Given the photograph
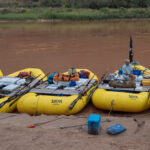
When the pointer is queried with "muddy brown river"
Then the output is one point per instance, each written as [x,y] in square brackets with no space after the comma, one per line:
[56,46]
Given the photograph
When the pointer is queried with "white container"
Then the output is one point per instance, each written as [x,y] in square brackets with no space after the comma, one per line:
[10,87]
[52,87]
[9,79]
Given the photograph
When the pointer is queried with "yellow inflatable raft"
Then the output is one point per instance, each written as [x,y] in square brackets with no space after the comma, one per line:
[51,100]
[1,74]
[8,82]
[123,99]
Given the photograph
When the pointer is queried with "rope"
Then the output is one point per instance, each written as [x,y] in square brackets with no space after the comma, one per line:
[36,111]
[111,108]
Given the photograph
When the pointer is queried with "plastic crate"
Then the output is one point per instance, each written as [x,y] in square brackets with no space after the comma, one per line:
[94,124]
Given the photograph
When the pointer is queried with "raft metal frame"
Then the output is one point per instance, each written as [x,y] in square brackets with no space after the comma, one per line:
[107,87]
[41,89]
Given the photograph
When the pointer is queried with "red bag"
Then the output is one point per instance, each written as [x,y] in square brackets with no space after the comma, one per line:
[86,73]
[23,74]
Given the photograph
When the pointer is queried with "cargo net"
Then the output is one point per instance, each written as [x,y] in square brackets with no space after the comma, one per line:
[64,88]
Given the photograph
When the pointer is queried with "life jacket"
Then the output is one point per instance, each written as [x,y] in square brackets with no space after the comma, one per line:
[65,77]
[74,77]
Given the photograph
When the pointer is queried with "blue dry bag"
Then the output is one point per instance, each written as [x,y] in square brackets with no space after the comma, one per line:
[50,77]
[137,72]
[115,129]
[72,83]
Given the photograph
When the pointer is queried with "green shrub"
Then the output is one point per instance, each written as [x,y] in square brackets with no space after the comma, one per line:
[4,11]
[94,4]
[45,3]
[28,4]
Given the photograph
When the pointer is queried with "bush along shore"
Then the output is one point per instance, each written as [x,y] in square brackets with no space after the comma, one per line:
[72,13]
[73,9]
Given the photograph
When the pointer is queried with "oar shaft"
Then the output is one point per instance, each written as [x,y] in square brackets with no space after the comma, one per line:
[24,92]
[81,94]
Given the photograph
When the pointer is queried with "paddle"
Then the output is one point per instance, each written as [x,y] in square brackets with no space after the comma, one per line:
[42,123]
[148,96]
[94,89]
[15,95]
[26,91]
[81,94]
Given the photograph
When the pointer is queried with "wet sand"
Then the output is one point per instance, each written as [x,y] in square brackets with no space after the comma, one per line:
[98,46]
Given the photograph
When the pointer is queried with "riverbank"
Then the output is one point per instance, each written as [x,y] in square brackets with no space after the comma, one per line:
[72,13]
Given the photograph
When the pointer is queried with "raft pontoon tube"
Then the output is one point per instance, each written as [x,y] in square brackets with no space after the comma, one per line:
[1,74]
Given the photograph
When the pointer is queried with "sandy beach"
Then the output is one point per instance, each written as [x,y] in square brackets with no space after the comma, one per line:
[15,135]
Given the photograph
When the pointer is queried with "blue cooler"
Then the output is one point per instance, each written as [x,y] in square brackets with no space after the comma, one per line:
[94,124]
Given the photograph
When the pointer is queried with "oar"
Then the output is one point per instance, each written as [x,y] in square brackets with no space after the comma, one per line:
[15,95]
[148,96]
[72,126]
[80,95]
[42,123]
[80,125]
[26,91]
[94,89]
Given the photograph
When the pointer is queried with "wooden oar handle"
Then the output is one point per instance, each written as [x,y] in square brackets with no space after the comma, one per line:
[74,102]
[2,104]
[72,105]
